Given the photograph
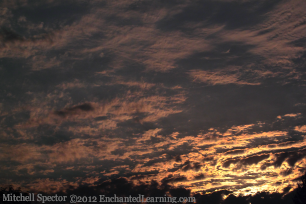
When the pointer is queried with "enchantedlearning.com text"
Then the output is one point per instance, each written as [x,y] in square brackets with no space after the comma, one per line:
[40,198]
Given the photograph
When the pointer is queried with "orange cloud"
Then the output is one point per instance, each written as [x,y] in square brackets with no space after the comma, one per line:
[218,77]
[300,128]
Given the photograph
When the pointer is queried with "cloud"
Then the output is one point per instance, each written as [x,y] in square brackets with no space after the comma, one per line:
[126,108]
[192,166]
[151,150]
[155,49]
[41,62]
[70,85]
[218,77]
[15,45]
[246,161]
[8,36]
[300,128]
[51,185]
[292,115]
[141,84]
[86,107]
[21,153]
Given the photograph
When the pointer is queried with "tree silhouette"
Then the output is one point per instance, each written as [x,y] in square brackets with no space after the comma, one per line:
[300,197]
[9,190]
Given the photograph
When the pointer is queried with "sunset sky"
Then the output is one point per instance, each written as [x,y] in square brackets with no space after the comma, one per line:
[205,96]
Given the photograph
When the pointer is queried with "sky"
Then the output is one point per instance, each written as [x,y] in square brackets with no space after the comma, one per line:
[197,97]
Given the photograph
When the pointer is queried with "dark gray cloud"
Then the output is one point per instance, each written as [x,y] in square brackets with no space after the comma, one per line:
[10,36]
[233,14]
[75,109]
[246,161]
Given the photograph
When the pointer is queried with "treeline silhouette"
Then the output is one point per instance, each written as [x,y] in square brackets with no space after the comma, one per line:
[122,188]
[10,190]
[300,197]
